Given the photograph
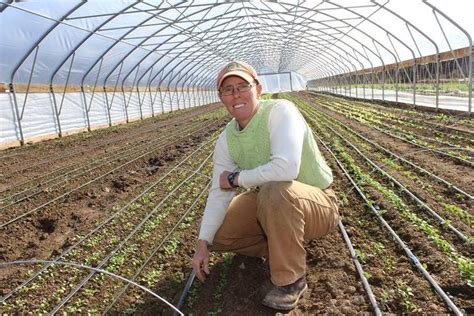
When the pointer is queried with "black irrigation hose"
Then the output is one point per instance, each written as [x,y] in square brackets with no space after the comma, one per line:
[122,243]
[165,120]
[77,188]
[355,259]
[390,118]
[102,161]
[95,270]
[347,110]
[469,163]
[106,221]
[423,118]
[135,144]
[359,113]
[441,220]
[80,165]
[413,259]
[185,292]
[422,170]
[453,129]
[157,248]
[360,270]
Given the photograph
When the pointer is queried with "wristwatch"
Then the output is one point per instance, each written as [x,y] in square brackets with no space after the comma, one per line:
[231,177]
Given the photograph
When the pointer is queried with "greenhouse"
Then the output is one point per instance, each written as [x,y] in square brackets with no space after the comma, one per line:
[111,118]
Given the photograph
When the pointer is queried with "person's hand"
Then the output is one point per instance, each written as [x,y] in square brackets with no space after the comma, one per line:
[224,183]
[201,260]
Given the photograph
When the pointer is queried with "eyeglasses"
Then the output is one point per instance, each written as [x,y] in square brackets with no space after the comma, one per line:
[230,90]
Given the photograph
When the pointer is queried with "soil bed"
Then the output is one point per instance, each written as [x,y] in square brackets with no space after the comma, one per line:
[158,228]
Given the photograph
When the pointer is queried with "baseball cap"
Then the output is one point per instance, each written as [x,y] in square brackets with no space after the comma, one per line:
[237,68]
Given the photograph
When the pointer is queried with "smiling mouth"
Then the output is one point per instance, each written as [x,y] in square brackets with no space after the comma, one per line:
[238,106]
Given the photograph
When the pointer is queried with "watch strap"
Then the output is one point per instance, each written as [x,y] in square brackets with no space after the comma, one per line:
[231,177]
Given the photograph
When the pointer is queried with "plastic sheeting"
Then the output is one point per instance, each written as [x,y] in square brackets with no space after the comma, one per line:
[175,45]
[124,40]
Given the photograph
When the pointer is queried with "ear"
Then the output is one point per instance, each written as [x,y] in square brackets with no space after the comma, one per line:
[220,97]
[259,89]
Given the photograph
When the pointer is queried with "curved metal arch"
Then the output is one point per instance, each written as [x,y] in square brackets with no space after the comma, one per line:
[19,116]
[437,52]
[470,50]
[322,40]
[162,68]
[408,23]
[165,42]
[171,80]
[118,40]
[282,20]
[209,19]
[208,82]
[356,40]
[148,54]
[366,47]
[287,21]
[335,18]
[88,36]
[293,7]
[212,78]
[45,34]
[70,25]
[388,33]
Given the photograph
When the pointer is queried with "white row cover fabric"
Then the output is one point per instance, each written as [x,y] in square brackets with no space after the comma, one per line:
[454,103]
[40,119]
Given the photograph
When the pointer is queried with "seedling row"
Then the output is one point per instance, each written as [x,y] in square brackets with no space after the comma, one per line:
[456,144]
[83,175]
[420,232]
[121,245]
[399,213]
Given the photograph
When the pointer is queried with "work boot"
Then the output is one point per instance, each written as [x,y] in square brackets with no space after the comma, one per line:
[285,297]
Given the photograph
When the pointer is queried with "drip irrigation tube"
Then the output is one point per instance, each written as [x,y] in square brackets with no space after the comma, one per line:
[154,129]
[105,222]
[420,119]
[413,259]
[422,170]
[469,163]
[391,118]
[441,220]
[94,270]
[130,235]
[165,239]
[69,192]
[358,266]
[103,161]
[186,289]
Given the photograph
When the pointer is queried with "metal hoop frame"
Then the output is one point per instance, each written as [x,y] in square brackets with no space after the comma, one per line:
[179,47]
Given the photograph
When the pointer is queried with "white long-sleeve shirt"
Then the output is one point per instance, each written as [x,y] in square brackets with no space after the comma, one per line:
[287,130]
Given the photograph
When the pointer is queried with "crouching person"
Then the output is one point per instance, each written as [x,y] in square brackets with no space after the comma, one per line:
[269,149]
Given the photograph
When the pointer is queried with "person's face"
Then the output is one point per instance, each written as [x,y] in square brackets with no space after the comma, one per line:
[241,105]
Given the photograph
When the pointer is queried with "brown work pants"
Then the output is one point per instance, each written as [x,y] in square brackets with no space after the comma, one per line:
[274,222]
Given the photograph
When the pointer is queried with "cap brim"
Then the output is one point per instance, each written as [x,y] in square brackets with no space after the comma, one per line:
[237,73]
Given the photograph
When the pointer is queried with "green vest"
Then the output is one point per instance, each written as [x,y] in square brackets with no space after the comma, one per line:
[251,147]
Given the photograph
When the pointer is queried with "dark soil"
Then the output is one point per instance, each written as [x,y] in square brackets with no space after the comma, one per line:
[237,284]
